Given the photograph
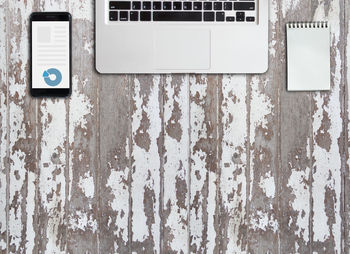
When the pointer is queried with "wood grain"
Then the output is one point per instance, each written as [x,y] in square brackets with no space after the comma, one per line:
[146,160]
[175,177]
[295,137]
[174,163]
[346,74]
[3,127]
[21,122]
[326,150]
[115,167]
[233,158]
[203,158]
[83,137]
[263,152]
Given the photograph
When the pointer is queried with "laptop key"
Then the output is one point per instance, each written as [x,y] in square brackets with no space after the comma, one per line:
[123,16]
[146,5]
[157,5]
[244,6]
[136,5]
[240,16]
[218,6]
[228,6]
[187,5]
[120,5]
[208,5]
[220,16]
[250,19]
[177,5]
[134,16]
[145,16]
[208,16]
[166,5]
[113,15]
[177,16]
[230,19]
[197,6]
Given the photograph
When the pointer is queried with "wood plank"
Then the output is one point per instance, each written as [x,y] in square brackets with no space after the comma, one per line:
[262,201]
[51,206]
[295,141]
[263,153]
[83,136]
[3,127]
[326,151]
[146,156]
[21,132]
[115,132]
[233,132]
[346,188]
[176,164]
[203,159]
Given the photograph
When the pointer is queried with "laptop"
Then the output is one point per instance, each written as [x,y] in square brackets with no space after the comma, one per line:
[176,36]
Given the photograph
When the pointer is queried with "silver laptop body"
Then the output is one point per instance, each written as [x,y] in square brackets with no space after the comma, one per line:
[182,36]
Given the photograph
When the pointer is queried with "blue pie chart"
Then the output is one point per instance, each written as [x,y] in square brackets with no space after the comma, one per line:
[56,80]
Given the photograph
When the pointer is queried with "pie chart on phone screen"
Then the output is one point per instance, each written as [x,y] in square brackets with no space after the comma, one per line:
[52,77]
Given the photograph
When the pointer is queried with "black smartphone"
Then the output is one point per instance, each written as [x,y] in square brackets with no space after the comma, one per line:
[50,54]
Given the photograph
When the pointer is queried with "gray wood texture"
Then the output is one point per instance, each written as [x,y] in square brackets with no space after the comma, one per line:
[174,163]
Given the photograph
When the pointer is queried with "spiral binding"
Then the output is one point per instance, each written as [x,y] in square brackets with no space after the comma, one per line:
[318,24]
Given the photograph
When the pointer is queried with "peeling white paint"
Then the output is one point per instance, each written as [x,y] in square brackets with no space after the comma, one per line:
[80,106]
[199,169]
[273,21]
[146,164]
[234,160]
[3,198]
[86,184]
[289,6]
[327,166]
[17,88]
[176,165]
[3,124]
[117,181]
[3,244]
[82,9]
[53,5]
[17,177]
[299,182]
[52,163]
[30,240]
[263,221]
[81,221]
[89,47]
[267,184]
[260,107]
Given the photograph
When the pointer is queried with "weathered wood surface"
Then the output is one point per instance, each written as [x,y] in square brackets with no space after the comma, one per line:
[174,163]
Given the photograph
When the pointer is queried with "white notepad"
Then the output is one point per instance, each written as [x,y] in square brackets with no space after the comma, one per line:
[308,56]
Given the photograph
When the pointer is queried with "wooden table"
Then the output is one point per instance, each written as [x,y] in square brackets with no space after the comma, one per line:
[173,163]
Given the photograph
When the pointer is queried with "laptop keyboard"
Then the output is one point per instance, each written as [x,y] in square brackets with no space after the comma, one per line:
[185,11]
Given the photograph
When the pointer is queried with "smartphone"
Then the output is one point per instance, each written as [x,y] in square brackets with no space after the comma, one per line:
[50,54]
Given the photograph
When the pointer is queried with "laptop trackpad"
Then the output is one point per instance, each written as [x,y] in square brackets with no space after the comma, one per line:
[186,49]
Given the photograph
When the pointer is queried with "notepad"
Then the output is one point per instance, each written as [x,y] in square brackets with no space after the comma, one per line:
[308,56]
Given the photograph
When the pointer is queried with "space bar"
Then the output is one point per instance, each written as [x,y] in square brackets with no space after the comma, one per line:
[177,16]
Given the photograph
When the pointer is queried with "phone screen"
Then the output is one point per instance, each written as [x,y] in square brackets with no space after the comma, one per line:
[50,55]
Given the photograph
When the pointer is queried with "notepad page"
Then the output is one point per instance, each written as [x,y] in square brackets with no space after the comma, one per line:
[308,58]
